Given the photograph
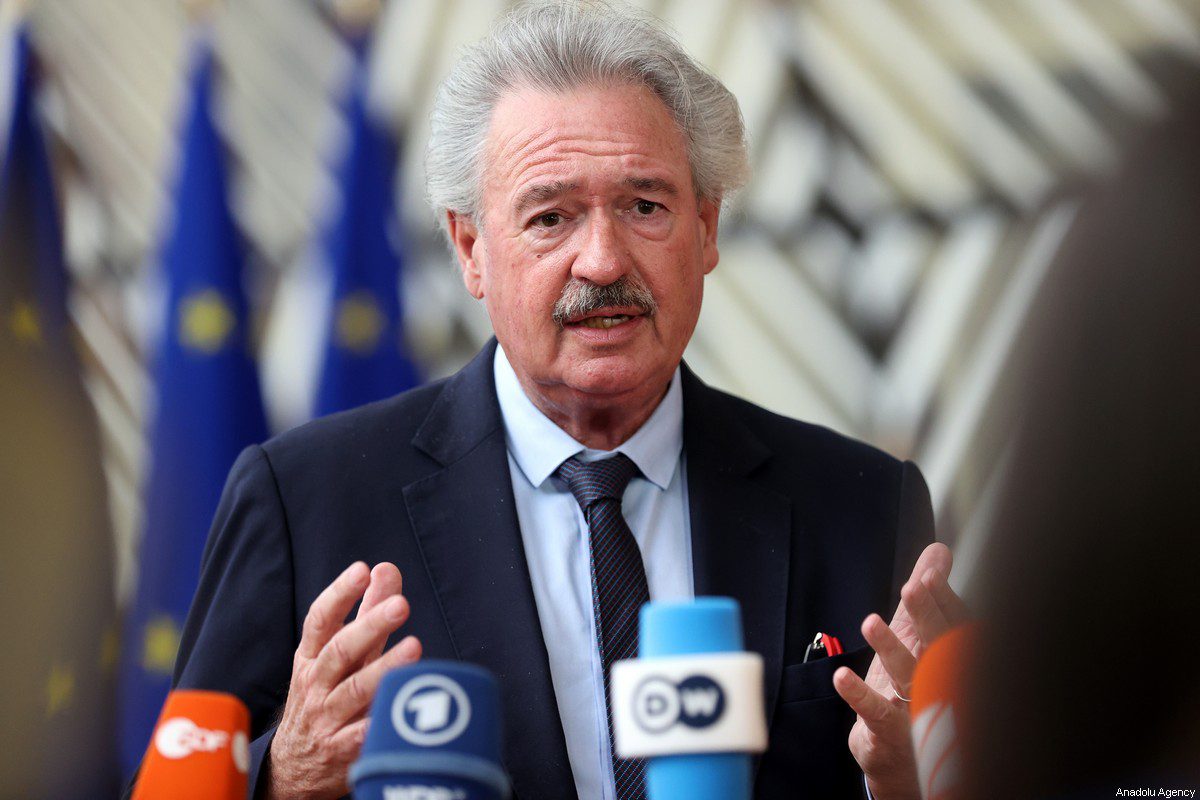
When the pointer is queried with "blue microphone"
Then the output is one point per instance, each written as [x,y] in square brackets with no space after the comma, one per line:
[434,735]
[692,703]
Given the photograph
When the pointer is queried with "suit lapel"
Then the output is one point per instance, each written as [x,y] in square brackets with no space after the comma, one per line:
[741,530]
[466,524]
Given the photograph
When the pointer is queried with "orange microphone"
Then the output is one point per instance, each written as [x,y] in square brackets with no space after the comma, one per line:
[938,711]
[200,749]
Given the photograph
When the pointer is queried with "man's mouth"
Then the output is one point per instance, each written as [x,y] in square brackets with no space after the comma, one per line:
[603,322]
[606,317]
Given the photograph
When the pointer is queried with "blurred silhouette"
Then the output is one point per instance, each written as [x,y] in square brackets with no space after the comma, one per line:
[1087,673]
[56,564]
[58,625]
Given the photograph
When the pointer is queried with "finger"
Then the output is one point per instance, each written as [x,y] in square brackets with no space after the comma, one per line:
[951,605]
[870,705]
[927,618]
[345,745]
[385,582]
[327,613]
[354,694]
[350,645]
[936,556]
[898,662]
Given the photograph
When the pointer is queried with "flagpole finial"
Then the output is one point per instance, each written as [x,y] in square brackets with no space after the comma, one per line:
[12,12]
[199,10]
[356,15]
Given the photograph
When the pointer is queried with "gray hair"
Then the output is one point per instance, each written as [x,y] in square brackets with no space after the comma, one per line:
[560,46]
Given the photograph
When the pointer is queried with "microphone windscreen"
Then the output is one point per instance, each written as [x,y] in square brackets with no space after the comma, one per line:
[938,709]
[704,625]
[434,735]
[200,749]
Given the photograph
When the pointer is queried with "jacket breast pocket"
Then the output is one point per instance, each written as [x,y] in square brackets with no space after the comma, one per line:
[814,680]
[809,733]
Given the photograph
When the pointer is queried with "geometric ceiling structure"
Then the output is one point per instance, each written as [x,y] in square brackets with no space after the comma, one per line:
[916,165]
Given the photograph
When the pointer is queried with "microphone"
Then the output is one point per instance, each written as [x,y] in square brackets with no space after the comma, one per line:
[434,735]
[200,749]
[938,709]
[692,703]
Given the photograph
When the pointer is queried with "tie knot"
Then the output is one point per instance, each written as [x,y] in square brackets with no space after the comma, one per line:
[597,480]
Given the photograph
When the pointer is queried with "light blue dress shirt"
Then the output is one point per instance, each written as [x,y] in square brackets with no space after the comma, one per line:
[555,534]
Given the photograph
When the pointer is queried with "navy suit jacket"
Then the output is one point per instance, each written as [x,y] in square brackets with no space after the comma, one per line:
[808,530]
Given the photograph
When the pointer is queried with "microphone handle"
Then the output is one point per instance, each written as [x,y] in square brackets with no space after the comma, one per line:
[704,626]
[700,776]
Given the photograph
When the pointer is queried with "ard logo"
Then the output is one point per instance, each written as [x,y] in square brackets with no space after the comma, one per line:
[431,710]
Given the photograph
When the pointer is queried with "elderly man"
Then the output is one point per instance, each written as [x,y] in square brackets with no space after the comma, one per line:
[579,159]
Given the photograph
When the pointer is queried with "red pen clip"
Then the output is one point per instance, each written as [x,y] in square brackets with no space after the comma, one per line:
[822,646]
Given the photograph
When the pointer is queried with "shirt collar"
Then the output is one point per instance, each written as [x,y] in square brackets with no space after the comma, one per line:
[539,446]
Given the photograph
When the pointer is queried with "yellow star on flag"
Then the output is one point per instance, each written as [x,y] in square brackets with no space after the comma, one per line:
[160,644]
[205,321]
[60,689]
[359,323]
[110,649]
[24,322]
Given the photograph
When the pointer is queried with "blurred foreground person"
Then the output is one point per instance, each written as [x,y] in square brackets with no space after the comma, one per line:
[1087,687]
[56,567]
[55,585]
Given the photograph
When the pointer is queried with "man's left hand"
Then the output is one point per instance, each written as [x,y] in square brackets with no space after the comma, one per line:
[881,739]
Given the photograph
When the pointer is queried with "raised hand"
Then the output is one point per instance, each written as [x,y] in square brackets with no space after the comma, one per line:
[335,672]
[881,740]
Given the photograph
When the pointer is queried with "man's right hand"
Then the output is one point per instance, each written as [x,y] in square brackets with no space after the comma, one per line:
[335,673]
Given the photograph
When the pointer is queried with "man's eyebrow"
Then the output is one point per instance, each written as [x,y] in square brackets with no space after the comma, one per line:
[656,185]
[541,192]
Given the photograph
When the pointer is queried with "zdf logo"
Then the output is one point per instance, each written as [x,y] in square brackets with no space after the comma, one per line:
[696,701]
[179,737]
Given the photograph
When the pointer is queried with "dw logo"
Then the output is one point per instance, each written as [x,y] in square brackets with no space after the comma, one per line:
[431,710]
[697,702]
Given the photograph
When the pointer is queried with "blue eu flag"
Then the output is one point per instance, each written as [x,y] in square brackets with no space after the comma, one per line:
[33,285]
[364,357]
[209,408]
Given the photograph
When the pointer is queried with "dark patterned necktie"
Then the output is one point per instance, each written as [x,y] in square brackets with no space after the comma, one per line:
[619,587]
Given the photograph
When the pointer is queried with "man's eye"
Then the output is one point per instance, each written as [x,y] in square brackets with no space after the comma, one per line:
[647,207]
[548,220]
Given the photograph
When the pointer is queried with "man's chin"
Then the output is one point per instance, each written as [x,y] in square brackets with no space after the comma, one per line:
[615,377]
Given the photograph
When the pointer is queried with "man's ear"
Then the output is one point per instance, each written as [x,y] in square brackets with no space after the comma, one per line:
[467,246]
[710,216]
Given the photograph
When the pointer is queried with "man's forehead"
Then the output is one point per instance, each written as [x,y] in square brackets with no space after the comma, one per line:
[542,144]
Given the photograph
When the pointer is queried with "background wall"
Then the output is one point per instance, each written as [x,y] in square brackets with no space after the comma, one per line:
[915,168]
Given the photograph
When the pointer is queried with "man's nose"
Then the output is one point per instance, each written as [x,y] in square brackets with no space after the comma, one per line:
[602,258]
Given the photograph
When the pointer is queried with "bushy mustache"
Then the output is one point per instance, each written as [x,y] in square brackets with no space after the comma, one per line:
[580,298]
